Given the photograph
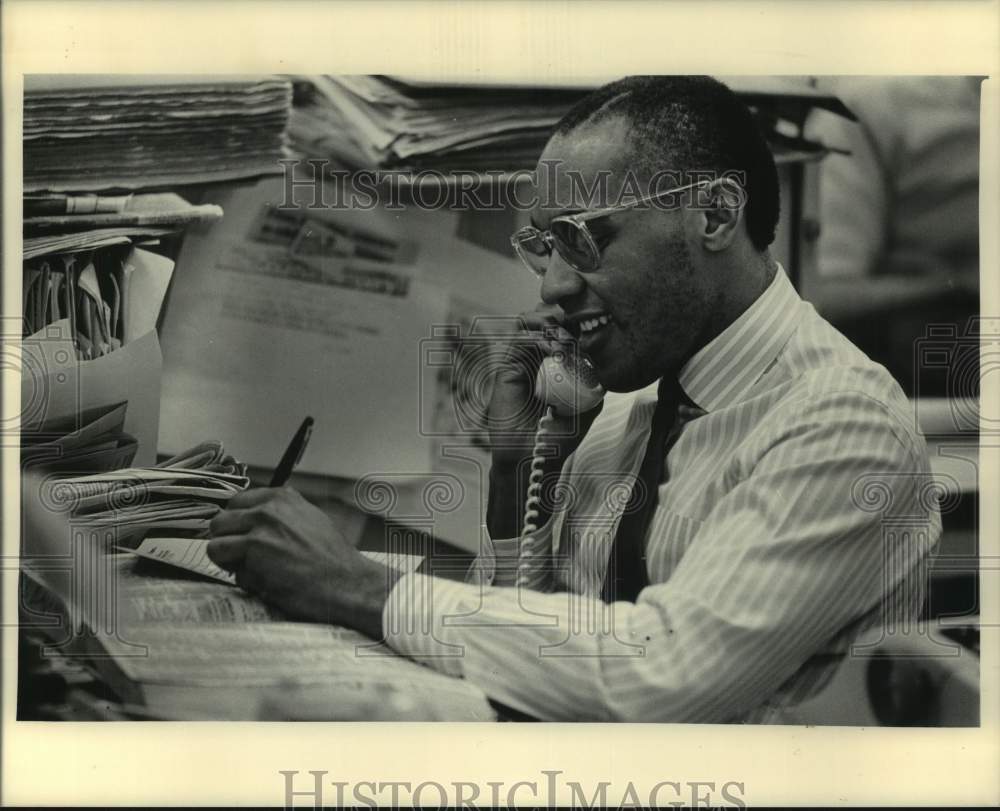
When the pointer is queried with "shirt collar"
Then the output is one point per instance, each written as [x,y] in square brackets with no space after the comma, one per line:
[723,370]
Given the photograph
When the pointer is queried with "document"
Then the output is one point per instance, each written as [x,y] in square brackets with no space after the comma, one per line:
[145,279]
[151,485]
[191,554]
[263,327]
[185,553]
[201,649]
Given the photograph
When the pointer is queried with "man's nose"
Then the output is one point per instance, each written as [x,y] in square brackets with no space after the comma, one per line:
[560,281]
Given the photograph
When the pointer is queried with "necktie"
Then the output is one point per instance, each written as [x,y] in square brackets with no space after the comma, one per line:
[626,574]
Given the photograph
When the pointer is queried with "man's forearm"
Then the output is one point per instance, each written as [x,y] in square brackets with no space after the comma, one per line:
[362,606]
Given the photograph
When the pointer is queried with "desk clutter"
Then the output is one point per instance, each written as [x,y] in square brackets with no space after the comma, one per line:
[98,154]
[173,645]
[60,223]
[93,440]
[179,496]
[90,357]
[412,124]
[389,122]
[116,565]
[106,298]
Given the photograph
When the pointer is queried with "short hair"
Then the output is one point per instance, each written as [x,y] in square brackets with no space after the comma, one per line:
[691,123]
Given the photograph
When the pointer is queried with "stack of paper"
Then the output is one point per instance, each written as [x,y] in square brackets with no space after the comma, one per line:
[375,121]
[191,649]
[93,440]
[397,123]
[92,132]
[59,223]
[79,241]
[179,497]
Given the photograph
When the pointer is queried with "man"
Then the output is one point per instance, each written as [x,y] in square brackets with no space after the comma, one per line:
[772,451]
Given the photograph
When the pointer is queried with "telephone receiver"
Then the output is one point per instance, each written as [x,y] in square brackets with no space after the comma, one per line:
[568,383]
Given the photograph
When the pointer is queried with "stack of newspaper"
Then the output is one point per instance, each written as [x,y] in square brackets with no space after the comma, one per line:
[178,497]
[94,132]
[61,223]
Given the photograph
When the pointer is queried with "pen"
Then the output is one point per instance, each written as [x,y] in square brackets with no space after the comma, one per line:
[292,454]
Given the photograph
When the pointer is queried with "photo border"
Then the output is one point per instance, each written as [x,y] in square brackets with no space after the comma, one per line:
[239,763]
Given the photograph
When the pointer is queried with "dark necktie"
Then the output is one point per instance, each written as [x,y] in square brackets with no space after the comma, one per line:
[626,574]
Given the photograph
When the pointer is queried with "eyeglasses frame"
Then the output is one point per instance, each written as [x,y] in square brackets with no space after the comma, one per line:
[580,220]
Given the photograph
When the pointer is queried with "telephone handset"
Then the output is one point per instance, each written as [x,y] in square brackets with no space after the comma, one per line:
[568,385]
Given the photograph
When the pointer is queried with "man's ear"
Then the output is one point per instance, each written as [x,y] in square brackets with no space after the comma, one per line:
[719,207]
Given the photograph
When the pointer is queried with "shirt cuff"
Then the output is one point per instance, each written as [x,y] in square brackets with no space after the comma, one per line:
[412,620]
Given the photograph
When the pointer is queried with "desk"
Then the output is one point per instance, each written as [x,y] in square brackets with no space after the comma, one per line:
[62,686]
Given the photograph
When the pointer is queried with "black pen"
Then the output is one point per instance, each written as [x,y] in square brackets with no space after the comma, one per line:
[292,454]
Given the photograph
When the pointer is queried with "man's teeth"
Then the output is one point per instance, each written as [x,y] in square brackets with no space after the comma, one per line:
[593,323]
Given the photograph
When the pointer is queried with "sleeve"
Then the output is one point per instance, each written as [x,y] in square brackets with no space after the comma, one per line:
[500,560]
[796,551]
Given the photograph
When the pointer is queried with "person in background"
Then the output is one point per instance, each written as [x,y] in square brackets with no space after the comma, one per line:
[899,216]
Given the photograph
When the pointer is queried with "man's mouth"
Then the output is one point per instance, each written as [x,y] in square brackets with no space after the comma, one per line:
[592,331]
[588,325]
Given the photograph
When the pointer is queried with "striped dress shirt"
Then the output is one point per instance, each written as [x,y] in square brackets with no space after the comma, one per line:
[797,511]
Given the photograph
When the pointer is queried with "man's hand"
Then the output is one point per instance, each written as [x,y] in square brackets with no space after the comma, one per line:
[290,554]
[514,411]
[513,420]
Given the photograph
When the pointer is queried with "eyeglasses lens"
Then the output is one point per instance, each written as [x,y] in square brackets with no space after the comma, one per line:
[533,251]
[575,245]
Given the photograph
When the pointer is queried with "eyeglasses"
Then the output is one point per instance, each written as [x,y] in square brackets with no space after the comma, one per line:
[571,238]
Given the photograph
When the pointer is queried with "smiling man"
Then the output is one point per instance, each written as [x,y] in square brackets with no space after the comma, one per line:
[718,542]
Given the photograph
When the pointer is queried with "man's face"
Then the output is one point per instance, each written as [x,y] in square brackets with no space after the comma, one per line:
[647,287]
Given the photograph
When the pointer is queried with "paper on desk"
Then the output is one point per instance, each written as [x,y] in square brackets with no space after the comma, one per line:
[183,475]
[88,240]
[56,386]
[203,639]
[305,671]
[107,492]
[145,594]
[185,553]
[192,554]
[264,653]
[185,514]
